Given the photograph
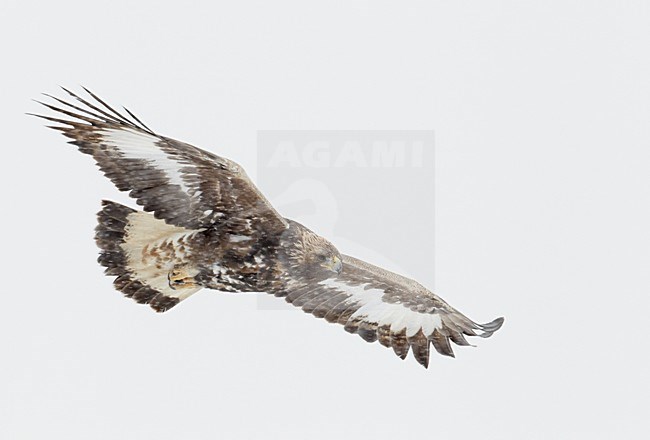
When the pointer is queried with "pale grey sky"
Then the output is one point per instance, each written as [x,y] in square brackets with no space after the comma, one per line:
[540,112]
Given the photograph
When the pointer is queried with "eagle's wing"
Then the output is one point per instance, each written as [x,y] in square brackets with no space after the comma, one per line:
[380,305]
[181,184]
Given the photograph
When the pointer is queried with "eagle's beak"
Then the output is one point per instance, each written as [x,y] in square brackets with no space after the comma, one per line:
[334,264]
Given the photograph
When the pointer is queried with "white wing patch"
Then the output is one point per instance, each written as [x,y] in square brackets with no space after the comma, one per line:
[374,309]
[139,145]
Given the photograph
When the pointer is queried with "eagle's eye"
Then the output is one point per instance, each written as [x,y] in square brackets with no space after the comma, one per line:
[322,257]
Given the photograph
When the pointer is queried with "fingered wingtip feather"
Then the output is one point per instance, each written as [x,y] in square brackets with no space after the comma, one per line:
[68,91]
[115,113]
[48,118]
[136,119]
[495,325]
[491,327]
[93,112]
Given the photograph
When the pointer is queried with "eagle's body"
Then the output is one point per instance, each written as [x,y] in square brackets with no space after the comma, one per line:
[206,225]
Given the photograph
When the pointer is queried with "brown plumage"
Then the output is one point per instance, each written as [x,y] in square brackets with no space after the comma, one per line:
[204,224]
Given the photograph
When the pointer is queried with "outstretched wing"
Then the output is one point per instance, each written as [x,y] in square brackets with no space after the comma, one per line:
[181,184]
[398,312]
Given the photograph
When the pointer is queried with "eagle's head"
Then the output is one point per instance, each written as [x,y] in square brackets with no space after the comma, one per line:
[308,255]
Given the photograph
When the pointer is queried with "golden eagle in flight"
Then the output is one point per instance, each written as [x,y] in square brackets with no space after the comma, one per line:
[204,224]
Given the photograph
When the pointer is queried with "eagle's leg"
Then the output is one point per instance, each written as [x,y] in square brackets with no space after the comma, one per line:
[180,278]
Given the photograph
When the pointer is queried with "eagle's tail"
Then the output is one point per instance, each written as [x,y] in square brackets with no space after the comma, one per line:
[146,255]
